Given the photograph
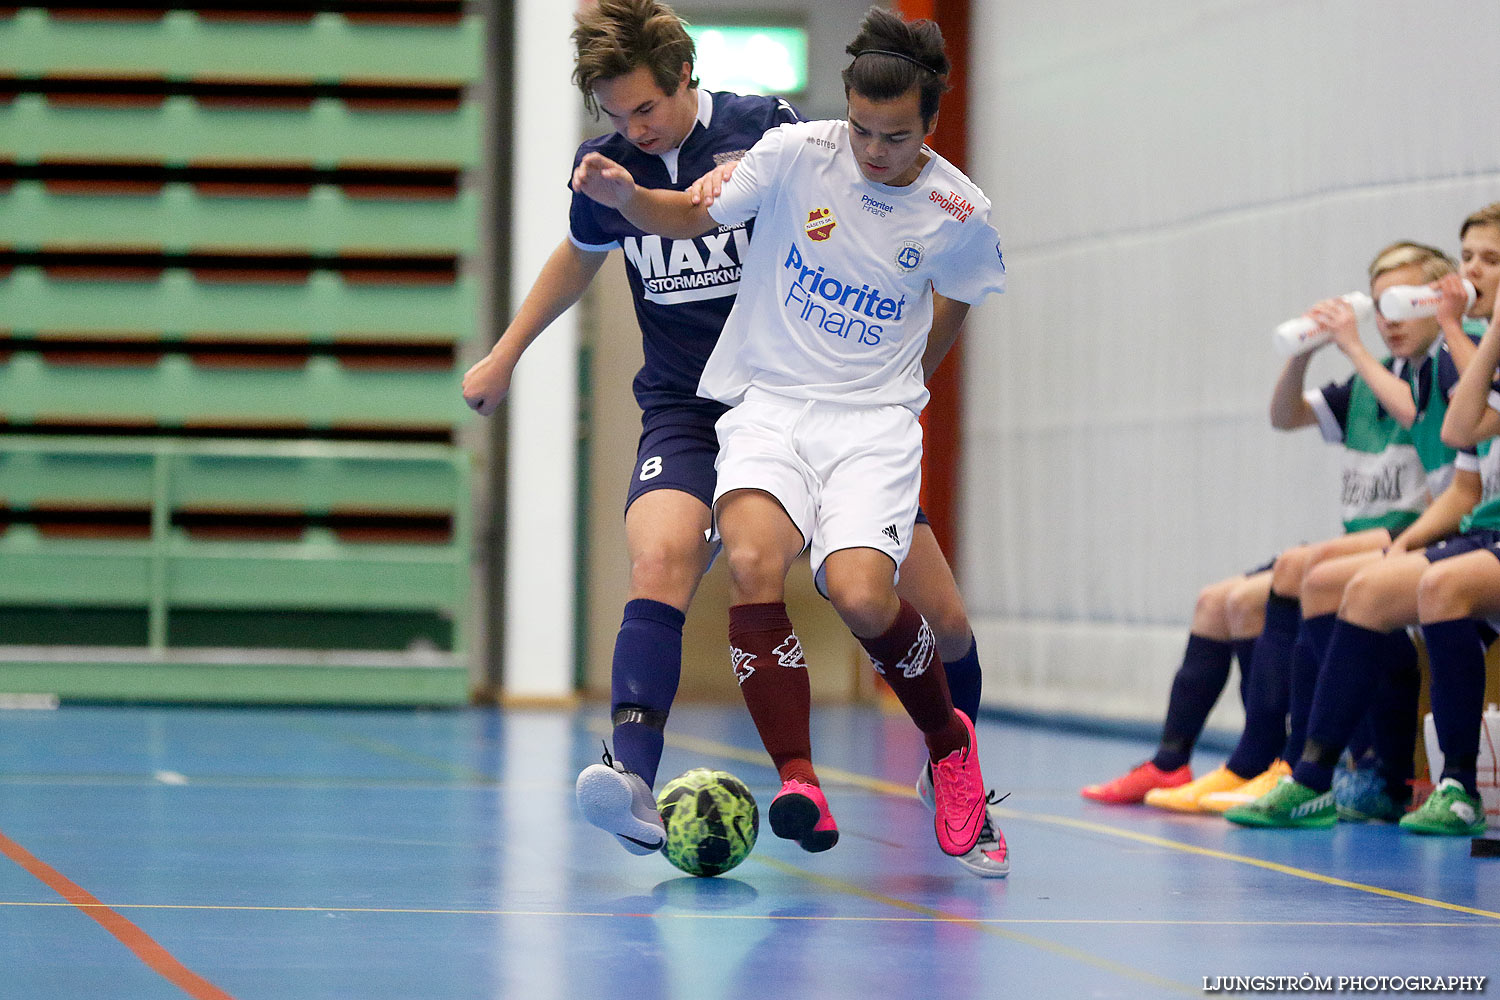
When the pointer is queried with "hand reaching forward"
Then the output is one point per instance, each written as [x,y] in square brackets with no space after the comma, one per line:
[708,187]
[602,179]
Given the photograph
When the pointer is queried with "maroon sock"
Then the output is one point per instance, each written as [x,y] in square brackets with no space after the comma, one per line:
[906,656]
[773,681]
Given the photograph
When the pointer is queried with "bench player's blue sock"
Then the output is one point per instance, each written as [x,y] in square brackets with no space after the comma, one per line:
[1307,658]
[1455,653]
[643,682]
[1269,689]
[1198,683]
[1357,659]
[1244,653]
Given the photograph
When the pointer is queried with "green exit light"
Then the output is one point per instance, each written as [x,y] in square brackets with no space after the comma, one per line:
[751,60]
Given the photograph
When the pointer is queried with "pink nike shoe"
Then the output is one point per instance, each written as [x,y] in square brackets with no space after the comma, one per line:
[800,812]
[958,787]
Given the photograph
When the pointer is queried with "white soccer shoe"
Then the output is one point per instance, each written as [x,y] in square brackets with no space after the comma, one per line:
[990,858]
[619,802]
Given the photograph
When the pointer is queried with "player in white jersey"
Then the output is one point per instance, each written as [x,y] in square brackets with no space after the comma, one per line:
[858,223]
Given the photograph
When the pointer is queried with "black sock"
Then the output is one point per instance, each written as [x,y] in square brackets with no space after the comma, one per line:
[1393,717]
[1244,654]
[1270,686]
[1307,657]
[1199,681]
[1357,658]
[1456,655]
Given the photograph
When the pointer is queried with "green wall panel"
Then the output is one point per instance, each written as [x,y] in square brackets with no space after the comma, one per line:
[178,219]
[331,47]
[179,129]
[323,305]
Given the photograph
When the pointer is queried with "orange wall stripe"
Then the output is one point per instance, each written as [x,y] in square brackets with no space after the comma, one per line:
[128,934]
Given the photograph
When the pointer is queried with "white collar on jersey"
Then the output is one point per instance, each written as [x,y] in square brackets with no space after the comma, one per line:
[705,115]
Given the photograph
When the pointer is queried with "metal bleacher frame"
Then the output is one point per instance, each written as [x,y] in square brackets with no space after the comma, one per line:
[236,246]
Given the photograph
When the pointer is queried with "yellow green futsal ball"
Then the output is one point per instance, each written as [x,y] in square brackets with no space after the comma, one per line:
[711,820]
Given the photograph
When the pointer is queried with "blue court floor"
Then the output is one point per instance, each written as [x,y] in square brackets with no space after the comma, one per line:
[281,854]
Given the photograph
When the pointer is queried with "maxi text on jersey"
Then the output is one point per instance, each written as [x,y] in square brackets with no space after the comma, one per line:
[837,305]
[674,271]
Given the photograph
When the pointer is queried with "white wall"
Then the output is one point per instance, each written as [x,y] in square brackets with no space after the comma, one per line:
[543,405]
[1172,178]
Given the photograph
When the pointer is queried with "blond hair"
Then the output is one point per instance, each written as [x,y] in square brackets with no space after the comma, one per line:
[1489,215]
[613,37]
[1433,262]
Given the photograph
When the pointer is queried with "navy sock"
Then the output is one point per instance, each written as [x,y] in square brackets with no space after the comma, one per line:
[1270,689]
[1244,654]
[1307,657]
[1393,717]
[1198,684]
[1456,654]
[1357,658]
[643,682]
[965,679]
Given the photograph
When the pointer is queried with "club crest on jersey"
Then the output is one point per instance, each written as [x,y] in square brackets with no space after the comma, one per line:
[820,223]
[910,255]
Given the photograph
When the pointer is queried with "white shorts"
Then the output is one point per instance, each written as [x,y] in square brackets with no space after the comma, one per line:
[848,476]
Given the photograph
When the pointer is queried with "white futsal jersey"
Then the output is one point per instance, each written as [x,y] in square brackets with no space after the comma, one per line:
[835,298]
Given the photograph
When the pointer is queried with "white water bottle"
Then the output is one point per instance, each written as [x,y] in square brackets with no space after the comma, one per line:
[1300,335]
[1415,301]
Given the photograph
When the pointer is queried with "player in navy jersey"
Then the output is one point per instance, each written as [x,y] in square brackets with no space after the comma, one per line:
[635,65]
[859,223]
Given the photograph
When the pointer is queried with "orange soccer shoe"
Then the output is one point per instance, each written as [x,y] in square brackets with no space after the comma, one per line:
[1131,787]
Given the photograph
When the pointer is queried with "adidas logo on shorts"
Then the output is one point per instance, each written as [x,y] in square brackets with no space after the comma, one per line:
[891,533]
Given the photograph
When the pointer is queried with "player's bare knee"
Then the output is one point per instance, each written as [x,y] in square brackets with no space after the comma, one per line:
[755,570]
[1443,595]
[865,605]
[1286,575]
[663,571]
[1244,611]
[1365,602]
[1211,612]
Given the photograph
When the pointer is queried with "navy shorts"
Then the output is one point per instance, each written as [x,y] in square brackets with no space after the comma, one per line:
[1479,540]
[677,455]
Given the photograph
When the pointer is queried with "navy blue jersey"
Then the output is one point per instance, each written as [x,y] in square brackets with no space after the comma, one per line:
[683,289]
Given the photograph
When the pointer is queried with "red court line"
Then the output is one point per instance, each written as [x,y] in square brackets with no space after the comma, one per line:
[128,934]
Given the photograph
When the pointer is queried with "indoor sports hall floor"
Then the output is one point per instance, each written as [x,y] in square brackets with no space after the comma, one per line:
[283,854]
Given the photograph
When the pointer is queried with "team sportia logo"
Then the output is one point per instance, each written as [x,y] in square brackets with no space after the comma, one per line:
[820,223]
[954,204]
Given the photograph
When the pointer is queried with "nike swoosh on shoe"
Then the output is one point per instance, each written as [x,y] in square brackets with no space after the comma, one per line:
[643,843]
[962,826]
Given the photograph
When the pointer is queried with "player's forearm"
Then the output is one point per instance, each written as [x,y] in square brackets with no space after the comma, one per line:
[1466,410]
[1442,516]
[1459,345]
[667,213]
[1288,409]
[947,320]
[1394,393]
[563,279]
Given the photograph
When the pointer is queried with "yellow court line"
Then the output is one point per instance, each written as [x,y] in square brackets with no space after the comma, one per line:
[1060,950]
[883,787]
[937,917]
[394,752]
